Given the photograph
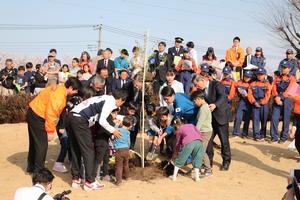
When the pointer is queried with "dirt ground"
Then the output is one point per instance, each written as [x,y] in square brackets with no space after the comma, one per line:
[257,171]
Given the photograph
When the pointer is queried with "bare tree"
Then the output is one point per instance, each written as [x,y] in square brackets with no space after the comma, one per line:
[283,19]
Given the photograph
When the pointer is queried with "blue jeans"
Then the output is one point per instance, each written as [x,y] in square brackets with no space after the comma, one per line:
[186,80]
[64,146]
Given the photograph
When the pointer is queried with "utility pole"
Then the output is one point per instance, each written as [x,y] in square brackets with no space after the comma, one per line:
[143,95]
[100,29]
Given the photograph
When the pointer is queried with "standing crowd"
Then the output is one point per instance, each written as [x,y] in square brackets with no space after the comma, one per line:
[94,105]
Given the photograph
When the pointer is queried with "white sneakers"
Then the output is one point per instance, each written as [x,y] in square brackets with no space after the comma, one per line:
[59,167]
[76,183]
[93,186]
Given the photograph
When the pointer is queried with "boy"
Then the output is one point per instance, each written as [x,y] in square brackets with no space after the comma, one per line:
[20,80]
[29,74]
[102,146]
[131,111]
[282,105]
[204,124]
[244,107]
[228,84]
[259,95]
[122,151]
[186,67]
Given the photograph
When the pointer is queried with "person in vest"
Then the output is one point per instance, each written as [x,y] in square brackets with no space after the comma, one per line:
[243,107]
[228,84]
[259,95]
[186,67]
[282,105]
[295,131]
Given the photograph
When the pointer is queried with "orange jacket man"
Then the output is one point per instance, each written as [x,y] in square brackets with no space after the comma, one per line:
[43,112]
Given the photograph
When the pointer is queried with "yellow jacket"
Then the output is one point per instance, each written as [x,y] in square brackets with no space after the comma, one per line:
[49,103]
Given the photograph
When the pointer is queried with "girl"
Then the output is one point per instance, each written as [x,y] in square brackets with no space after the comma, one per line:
[64,74]
[87,72]
[188,142]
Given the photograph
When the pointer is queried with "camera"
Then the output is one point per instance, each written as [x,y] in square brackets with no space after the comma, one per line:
[61,196]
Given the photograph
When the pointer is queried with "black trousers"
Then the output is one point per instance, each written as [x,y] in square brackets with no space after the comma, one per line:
[101,154]
[222,132]
[38,142]
[81,144]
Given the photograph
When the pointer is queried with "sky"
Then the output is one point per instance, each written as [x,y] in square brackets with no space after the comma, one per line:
[206,23]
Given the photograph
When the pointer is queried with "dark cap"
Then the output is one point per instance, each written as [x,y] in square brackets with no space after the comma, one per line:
[226,70]
[205,67]
[261,71]
[248,73]
[178,39]
[185,51]
[289,51]
[259,49]
[285,64]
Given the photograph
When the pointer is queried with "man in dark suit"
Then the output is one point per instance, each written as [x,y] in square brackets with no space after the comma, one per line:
[175,53]
[217,101]
[106,63]
[121,81]
[105,87]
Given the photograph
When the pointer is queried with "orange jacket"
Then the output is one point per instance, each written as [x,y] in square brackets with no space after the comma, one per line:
[228,84]
[238,85]
[259,91]
[235,56]
[49,103]
[297,104]
[180,66]
[282,84]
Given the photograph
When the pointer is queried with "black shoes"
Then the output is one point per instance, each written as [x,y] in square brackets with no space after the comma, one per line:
[225,167]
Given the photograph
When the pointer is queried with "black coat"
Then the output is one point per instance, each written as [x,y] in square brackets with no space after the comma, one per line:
[110,66]
[216,95]
[171,53]
[116,85]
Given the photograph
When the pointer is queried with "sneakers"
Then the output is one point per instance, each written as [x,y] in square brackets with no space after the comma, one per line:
[173,178]
[93,186]
[76,183]
[59,167]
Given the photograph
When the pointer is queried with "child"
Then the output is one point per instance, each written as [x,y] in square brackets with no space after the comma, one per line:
[87,72]
[102,146]
[151,128]
[122,151]
[131,111]
[186,66]
[259,96]
[20,81]
[165,119]
[243,107]
[228,84]
[80,75]
[29,74]
[189,140]
[64,74]
[40,79]
[204,125]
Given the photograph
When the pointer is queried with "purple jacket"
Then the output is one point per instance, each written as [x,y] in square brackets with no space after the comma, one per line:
[186,134]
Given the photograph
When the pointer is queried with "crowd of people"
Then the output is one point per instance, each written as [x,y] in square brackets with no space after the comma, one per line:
[94,105]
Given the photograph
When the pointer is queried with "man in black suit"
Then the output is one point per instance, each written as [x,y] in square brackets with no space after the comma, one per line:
[106,63]
[217,101]
[175,52]
[121,81]
[105,87]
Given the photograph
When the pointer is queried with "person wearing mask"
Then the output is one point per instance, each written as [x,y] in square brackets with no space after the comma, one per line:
[289,60]
[41,184]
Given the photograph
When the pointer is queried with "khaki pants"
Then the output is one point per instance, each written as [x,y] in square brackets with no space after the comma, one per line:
[6,92]
[206,137]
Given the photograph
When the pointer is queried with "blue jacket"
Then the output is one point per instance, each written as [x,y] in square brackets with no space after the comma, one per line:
[260,62]
[184,107]
[124,141]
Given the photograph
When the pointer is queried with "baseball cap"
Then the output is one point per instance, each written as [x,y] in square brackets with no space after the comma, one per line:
[261,71]
[205,67]
[248,73]
[226,70]
[286,64]
[289,51]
